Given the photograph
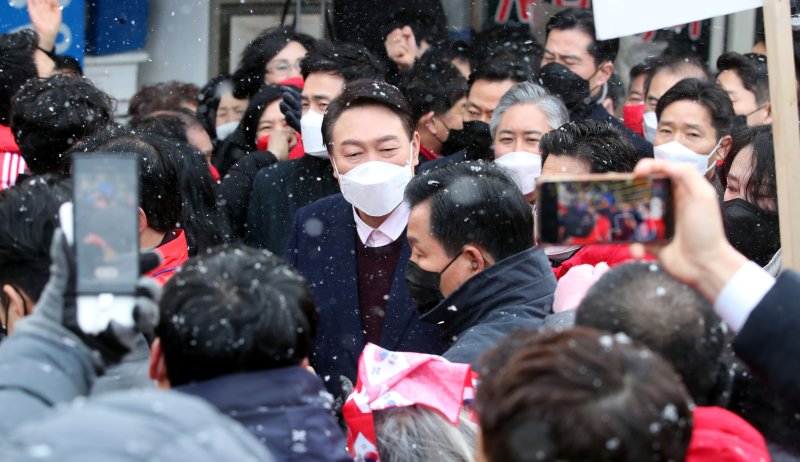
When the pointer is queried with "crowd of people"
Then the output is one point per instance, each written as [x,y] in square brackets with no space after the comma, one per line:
[339,258]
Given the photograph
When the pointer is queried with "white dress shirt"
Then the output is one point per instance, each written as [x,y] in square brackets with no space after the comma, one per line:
[388,232]
[741,294]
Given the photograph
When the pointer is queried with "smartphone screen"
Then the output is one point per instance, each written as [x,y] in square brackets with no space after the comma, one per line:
[105,207]
[616,209]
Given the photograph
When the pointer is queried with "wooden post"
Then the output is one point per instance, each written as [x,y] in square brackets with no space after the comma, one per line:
[785,125]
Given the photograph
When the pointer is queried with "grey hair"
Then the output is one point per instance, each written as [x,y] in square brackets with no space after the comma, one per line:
[419,434]
[531,93]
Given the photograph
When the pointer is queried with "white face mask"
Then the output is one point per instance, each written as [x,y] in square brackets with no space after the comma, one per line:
[375,187]
[311,130]
[650,126]
[525,168]
[225,130]
[678,153]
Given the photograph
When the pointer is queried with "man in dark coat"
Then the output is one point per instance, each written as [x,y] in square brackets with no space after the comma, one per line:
[351,247]
[279,190]
[470,231]
[237,326]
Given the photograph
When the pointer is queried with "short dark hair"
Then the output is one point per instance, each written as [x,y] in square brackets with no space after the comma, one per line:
[249,74]
[235,309]
[49,116]
[751,69]
[18,65]
[28,218]
[583,20]
[688,64]
[499,70]
[159,192]
[580,394]
[510,41]
[474,202]
[644,302]
[162,97]
[169,124]
[706,94]
[643,68]
[596,143]
[68,65]
[762,186]
[352,62]
[433,85]
[363,93]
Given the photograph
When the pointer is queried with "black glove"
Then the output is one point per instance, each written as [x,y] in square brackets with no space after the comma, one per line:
[58,304]
[346,387]
[291,106]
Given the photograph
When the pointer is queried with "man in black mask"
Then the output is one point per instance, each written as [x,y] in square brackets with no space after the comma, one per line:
[487,84]
[576,67]
[470,231]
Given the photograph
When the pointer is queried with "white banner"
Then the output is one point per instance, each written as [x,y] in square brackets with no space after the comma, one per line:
[620,18]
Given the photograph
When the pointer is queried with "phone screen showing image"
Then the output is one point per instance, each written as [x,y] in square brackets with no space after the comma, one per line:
[105,205]
[583,212]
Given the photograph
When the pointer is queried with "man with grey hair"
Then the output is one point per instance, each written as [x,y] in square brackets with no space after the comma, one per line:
[525,113]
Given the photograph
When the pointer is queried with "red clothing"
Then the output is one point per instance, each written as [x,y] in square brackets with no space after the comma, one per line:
[722,436]
[11,162]
[601,232]
[427,153]
[174,253]
[611,254]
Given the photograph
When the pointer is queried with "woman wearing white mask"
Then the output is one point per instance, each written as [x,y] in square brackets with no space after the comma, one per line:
[695,118]
[525,113]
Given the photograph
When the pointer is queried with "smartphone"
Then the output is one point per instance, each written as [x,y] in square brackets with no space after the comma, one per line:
[106,237]
[604,209]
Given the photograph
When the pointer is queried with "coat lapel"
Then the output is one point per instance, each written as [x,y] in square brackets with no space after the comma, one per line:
[401,310]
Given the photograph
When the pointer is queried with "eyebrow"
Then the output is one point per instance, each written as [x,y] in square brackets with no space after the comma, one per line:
[694,126]
[526,132]
[382,139]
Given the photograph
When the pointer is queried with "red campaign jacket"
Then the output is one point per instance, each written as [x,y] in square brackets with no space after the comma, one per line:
[174,253]
[722,436]
[611,254]
[11,162]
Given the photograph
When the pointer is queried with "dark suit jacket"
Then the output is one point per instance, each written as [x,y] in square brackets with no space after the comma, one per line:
[322,248]
[768,341]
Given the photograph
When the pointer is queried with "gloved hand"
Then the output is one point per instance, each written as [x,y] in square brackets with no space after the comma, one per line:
[58,304]
[291,106]
[574,285]
[346,387]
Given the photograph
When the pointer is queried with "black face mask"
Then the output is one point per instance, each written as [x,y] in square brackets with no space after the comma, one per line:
[424,285]
[752,231]
[476,138]
[565,84]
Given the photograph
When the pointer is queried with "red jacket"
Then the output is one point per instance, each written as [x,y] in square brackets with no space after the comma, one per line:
[11,162]
[722,436]
[611,254]
[174,253]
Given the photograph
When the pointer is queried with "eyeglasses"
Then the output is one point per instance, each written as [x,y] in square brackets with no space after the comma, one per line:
[283,67]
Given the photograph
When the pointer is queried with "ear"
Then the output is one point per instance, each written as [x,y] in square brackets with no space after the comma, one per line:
[415,144]
[142,221]
[604,73]
[427,122]
[724,147]
[16,306]
[158,367]
[768,114]
[475,258]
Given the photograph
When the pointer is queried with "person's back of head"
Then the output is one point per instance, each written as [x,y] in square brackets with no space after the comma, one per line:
[234,309]
[164,97]
[648,305]
[164,123]
[18,65]
[49,116]
[28,218]
[159,191]
[706,94]
[512,41]
[579,395]
[433,86]
[419,434]
[597,144]
[480,195]
[350,61]
[583,20]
